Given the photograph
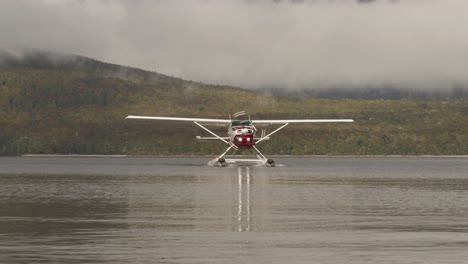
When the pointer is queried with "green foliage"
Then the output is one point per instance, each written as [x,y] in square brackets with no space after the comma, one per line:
[65,109]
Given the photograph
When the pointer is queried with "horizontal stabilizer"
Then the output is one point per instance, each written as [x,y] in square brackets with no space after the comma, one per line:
[209,138]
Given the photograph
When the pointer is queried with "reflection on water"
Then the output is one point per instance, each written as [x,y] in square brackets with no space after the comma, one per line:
[179,211]
[243,214]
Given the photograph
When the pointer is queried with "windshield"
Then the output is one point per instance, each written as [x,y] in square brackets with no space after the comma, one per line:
[241,123]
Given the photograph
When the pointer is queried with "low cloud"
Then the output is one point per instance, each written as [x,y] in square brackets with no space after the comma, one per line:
[415,44]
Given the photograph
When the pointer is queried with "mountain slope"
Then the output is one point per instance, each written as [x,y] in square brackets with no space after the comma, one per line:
[52,103]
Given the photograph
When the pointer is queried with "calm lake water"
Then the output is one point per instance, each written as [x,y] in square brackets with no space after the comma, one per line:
[172,210]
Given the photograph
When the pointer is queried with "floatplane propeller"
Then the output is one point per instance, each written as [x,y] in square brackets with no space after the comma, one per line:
[240,133]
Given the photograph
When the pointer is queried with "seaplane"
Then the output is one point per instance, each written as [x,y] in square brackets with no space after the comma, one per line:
[241,134]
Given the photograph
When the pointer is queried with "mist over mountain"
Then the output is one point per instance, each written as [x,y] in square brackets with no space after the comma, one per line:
[313,47]
[43,60]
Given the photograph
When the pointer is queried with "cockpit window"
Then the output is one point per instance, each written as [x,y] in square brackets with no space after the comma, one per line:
[241,123]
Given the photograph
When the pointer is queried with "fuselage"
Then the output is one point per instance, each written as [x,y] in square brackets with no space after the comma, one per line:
[241,133]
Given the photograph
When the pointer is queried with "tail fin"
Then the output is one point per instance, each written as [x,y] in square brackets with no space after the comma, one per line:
[241,113]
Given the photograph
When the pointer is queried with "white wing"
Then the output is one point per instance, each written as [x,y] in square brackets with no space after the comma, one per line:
[227,121]
[291,121]
[186,119]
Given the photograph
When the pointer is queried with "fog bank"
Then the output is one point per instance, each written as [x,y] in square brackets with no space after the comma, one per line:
[414,44]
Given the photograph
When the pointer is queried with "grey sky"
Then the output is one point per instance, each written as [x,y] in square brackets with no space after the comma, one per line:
[413,43]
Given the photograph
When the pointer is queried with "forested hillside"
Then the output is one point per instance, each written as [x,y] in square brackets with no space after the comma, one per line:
[61,104]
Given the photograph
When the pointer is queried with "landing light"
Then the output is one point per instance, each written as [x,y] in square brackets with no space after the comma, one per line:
[248,139]
[239,138]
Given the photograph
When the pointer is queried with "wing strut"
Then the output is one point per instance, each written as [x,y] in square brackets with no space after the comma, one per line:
[212,133]
[267,136]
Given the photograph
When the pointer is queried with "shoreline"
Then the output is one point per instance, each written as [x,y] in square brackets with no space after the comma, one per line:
[211,156]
